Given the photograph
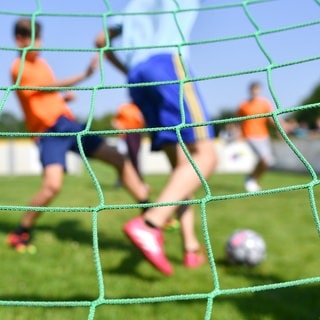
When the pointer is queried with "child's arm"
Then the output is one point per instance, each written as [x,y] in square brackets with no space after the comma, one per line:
[101,43]
[116,62]
[69,96]
[71,81]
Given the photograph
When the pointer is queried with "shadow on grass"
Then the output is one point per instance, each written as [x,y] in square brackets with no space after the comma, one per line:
[73,230]
[129,266]
[299,302]
[295,303]
[41,298]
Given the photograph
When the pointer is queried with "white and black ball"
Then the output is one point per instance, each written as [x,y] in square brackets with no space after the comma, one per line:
[246,247]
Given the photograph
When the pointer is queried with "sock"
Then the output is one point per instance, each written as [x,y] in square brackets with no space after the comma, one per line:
[147,222]
[182,208]
[197,250]
[150,224]
[143,210]
[21,229]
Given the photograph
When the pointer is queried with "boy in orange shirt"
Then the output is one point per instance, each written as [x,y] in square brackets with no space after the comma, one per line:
[46,111]
[255,131]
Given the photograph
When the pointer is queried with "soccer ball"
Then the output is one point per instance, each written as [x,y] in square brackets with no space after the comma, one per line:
[246,247]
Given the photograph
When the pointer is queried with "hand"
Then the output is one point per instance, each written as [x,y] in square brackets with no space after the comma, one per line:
[69,96]
[100,40]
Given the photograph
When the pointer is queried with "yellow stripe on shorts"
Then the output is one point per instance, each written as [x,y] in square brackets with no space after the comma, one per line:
[193,103]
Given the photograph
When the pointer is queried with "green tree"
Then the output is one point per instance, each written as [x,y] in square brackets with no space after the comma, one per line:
[225,114]
[10,123]
[103,123]
[310,115]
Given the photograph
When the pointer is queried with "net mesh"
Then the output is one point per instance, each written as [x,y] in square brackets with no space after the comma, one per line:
[208,197]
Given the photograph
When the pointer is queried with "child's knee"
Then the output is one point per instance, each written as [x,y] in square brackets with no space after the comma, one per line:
[52,189]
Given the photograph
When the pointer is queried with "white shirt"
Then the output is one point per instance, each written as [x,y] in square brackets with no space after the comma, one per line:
[161,25]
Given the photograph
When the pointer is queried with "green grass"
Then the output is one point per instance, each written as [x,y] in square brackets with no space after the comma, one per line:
[64,268]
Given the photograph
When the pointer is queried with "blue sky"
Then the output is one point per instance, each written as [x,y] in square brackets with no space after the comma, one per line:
[291,83]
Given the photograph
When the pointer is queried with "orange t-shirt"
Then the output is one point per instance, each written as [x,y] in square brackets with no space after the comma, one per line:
[128,116]
[41,108]
[255,128]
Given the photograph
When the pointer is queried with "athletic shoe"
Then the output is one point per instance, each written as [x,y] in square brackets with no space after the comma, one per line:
[150,242]
[21,242]
[194,260]
[251,185]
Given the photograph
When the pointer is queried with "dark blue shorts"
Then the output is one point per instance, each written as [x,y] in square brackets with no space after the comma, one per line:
[164,105]
[53,149]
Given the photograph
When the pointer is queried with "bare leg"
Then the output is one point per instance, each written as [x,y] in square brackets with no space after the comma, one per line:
[127,172]
[183,180]
[185,213]
[259,170]
[189,238]
[133,141]
[145,232]
[51,185]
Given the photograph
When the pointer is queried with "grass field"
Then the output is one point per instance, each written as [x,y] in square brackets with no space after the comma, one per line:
[63,269]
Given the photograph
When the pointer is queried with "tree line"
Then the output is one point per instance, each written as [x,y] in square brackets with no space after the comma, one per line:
[12,123]
[310,116]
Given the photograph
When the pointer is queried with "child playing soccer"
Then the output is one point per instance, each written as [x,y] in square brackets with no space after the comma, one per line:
[256,133]
[47,112]
[160,105]
[129,116]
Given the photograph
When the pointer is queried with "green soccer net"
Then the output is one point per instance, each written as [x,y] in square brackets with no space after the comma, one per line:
[209,197]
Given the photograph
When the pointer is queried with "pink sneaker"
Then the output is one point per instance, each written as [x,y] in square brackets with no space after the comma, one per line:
[194,260]
[150,242]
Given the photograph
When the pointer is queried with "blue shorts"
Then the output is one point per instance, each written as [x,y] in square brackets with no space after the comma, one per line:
[161,104]
[53,149]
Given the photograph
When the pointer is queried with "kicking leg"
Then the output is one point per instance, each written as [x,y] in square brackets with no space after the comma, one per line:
[184,180]
[145,231]
[51,185]
[127,172]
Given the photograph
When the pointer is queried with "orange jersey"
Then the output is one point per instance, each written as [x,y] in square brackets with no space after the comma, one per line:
[128,116]
[255,128]
[41,108]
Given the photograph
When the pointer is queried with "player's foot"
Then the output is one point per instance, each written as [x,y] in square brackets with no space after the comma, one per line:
[21,242]
[150,242]
[251,185]
[194,259]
